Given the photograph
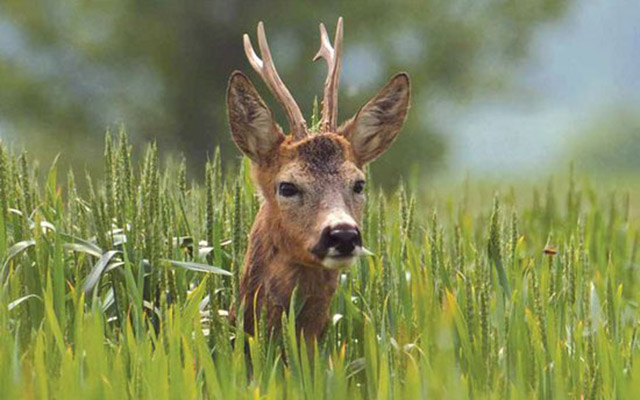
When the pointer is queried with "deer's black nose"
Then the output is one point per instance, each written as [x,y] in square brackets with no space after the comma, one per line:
[344,238]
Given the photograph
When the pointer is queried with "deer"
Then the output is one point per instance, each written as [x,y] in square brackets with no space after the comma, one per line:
[311,186]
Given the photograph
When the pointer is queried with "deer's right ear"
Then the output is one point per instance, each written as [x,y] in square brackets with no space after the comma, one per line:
[252,125]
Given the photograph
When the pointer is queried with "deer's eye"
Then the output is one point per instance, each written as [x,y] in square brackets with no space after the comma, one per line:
[287,189]
[358,187]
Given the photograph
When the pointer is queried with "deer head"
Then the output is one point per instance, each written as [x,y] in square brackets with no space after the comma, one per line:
[312,182]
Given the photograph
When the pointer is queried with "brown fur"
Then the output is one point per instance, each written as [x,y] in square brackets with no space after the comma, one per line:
[277,260]
[325,167]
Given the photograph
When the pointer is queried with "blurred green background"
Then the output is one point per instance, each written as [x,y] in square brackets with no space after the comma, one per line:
[500,88]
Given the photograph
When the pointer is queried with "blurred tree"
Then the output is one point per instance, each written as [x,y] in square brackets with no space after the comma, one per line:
[68,69]
[610,145]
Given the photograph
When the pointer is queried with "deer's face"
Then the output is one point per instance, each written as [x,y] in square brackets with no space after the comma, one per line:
[316,193]
[313,187]
[312,183]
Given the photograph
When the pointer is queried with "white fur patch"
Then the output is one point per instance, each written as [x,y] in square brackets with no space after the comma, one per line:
[339,217]
[332,261]
[338,263]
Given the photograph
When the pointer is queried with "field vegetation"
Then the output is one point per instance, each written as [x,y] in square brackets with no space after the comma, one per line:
[121,290]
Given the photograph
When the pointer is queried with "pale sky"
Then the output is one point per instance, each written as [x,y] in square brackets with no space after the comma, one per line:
[578,67]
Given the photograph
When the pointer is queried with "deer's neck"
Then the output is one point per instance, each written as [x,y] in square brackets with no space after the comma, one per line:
[270,276]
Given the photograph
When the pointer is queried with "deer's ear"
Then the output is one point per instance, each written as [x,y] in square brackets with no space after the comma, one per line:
[378,122]
[252,125]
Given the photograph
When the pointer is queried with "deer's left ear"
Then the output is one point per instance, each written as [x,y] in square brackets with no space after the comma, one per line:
[378,122]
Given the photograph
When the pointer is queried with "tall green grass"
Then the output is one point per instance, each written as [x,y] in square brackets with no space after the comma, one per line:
[122,292]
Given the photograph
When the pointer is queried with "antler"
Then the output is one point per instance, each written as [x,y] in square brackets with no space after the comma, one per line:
[329,121]
[267,70]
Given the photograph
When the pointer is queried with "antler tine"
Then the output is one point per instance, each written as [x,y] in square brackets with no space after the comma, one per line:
[332,55]
[267,71]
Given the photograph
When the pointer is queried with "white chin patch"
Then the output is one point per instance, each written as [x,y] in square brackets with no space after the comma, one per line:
[338,263]
[333,261]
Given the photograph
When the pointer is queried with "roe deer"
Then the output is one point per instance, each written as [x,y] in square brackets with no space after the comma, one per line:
[311,185]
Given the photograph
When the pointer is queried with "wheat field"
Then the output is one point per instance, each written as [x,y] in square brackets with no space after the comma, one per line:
[119,288]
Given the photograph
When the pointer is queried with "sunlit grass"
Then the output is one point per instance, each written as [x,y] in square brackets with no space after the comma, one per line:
[122,292]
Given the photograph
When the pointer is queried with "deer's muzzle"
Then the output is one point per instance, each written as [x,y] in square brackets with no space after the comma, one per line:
[338,245]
